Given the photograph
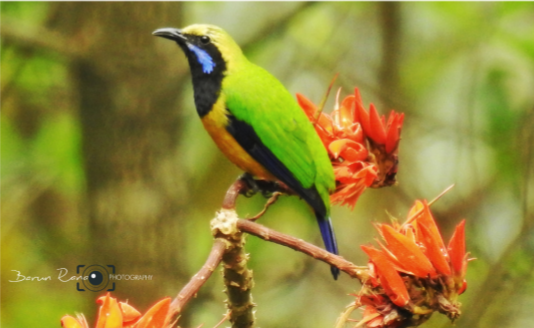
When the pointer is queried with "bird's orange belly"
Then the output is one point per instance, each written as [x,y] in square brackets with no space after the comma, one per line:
[215,123]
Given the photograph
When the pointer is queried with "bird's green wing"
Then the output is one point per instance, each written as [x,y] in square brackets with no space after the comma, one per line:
[257,99]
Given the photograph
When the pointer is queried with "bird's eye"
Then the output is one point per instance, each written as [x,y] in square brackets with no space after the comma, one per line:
[205,39]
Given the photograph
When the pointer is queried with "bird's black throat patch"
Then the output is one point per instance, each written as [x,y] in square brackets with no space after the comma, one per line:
[206,85]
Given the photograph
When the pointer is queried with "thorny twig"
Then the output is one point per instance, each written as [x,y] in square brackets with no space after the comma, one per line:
[225,317]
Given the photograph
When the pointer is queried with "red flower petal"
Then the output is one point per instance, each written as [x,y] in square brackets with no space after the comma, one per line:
[394,129]
[391,257]
[426,219]
[348,194]
[433,250]
[129,313]
[156,317]
[457,250]
[353,154]
[347,149]
[109,315]
[343,174]
[407,252]
[389,277]
[338,146]
[346,112]
[410,234]
[70,322]
[358,171]
[360,115]
[371,173]
[326,123]
[355,133]
[309,108]
[463,288]
[377,132]
[325,136]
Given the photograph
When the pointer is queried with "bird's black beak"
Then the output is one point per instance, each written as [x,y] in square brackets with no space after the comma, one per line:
[170,33]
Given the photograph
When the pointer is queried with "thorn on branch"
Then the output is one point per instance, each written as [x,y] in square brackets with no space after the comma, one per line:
[238,279]
[226,316]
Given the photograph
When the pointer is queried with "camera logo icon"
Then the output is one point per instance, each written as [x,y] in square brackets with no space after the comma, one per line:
[95,277]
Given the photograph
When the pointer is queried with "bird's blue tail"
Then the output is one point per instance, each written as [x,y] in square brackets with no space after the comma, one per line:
[329,239]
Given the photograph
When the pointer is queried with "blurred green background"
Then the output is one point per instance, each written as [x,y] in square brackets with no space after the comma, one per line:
[104,160]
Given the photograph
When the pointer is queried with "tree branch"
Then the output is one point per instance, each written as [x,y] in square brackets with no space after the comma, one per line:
[300,245]
[192,287]
[238,280]
[238,187]
[228,247]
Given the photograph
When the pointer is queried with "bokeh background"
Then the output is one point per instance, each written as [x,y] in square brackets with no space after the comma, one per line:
[104,160]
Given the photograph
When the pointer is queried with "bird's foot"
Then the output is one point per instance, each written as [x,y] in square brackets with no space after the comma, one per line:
[252,187]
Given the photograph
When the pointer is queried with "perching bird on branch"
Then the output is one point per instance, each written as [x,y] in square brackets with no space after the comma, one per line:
[255,121]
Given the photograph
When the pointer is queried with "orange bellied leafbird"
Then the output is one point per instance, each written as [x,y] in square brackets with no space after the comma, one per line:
[255,121]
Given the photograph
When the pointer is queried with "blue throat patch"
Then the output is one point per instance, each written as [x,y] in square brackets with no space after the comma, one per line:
[203,58]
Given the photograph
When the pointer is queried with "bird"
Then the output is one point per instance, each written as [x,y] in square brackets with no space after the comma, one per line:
[255,121]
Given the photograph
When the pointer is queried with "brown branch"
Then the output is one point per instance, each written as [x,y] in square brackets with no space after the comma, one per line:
[229,248]
[238,187]
[300,245]
[238,281]
[237,277]
[192,287]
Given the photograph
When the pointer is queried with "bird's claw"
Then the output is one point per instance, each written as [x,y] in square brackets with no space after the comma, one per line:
[252,187]
[267,193]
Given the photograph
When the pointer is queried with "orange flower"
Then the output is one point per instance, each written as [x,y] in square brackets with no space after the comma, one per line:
[113,314]
[361,146]
[376,128]
[413,274]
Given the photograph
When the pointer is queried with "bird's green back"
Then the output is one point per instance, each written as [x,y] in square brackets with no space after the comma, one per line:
[256,97]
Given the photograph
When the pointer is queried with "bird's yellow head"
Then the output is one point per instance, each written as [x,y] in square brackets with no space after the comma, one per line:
[209,49]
